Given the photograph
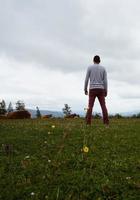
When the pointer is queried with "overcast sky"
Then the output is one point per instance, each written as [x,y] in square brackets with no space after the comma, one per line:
[46,47]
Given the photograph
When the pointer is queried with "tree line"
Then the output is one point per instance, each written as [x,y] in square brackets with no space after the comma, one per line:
[20,106]
[3,109]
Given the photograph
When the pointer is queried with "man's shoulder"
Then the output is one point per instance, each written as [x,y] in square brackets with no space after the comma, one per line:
[90,67]
[102,67]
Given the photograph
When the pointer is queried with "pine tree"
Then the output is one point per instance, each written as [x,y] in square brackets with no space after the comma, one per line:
[2,108]
[10,108]
[138,115]
[66,110]
[38,113]
[20,105]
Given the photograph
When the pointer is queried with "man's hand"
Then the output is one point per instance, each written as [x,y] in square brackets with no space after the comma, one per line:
[86,92]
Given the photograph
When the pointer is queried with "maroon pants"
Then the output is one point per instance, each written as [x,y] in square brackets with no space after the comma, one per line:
[100,94]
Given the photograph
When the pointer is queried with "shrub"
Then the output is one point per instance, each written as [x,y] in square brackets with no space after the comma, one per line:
[21,114]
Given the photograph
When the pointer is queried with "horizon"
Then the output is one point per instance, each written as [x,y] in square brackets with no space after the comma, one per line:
[82,111]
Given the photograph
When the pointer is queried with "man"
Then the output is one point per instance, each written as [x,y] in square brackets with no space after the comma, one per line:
[98,88]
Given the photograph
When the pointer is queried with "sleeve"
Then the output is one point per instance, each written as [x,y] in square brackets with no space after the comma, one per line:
[87,79]
[105,81]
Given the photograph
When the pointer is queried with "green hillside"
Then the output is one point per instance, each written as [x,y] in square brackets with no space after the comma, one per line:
[63,159]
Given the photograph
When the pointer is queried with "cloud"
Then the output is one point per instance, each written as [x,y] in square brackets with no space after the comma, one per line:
[41,31]
[55,40]
[42,87]
[58,34]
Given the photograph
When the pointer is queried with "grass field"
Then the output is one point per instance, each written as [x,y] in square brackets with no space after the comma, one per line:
[63,159]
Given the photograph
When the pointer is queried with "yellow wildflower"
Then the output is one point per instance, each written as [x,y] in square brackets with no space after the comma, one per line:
[85,149]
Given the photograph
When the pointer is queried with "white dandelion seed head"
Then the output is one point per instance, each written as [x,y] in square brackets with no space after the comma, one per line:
[128,178]
[27,157]
[32,193]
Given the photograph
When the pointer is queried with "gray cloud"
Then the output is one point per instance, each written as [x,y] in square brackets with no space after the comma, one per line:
[64,35]
[41,31]
[49,32]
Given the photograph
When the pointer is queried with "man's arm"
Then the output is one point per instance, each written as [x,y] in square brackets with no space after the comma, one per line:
[105,82]
[86,81]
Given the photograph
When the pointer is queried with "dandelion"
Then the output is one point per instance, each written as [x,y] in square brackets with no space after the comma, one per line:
[85,149]
[128,178]
[49,133]
[46,197]
[49,161]
[45,142]
[27,157]
[53,126]
[32,193]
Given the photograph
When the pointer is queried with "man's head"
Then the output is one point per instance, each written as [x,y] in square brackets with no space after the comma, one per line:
[96,59]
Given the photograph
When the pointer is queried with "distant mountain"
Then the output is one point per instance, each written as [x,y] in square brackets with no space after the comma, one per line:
[125,114]
[129,113]
[81,113]
[46,112]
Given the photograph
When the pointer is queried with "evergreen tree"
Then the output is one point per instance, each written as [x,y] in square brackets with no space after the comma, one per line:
[38,113]
[138,115]
[97,115]
[2,108]
[66,110]
[118,116]
[10,108]
[20,105]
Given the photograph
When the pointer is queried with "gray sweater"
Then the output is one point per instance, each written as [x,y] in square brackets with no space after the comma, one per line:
[97,76]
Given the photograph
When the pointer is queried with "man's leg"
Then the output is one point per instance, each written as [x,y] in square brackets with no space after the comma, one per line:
[101,99]
[90,107]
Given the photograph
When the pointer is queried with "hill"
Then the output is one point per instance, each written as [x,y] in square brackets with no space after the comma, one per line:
[46,112]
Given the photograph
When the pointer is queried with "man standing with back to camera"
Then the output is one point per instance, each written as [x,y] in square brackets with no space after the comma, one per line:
[97,88]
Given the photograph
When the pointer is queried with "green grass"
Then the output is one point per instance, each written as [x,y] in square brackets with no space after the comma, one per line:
[54,166]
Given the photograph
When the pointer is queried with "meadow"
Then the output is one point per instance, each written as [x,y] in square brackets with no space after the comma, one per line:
[63,159]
